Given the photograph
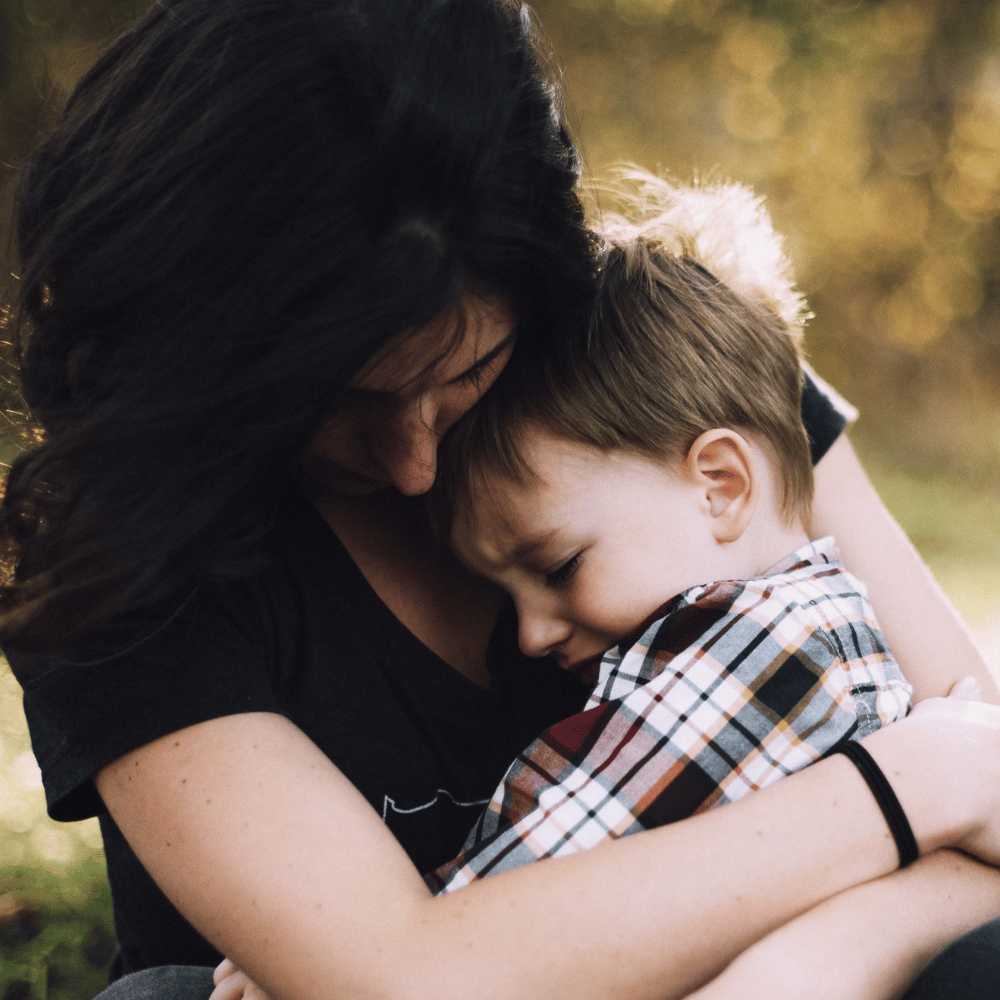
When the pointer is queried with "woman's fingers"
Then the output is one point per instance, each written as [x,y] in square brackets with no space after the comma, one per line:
[231,984]
[225,968]
[968,689]
[943,762]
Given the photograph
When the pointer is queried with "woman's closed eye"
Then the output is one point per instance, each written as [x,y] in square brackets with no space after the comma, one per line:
[482,370]
[558,576]
[486,367]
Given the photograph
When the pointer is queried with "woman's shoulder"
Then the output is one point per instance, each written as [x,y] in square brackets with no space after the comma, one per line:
[150,672]
[190,613]
[209,649]
[825,413]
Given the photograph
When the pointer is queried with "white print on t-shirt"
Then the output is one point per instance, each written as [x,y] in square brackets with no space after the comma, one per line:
[391,804]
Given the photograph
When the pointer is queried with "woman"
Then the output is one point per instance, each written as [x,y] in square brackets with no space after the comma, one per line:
[271,252]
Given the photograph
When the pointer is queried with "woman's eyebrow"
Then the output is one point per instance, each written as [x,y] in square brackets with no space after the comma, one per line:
[484,361]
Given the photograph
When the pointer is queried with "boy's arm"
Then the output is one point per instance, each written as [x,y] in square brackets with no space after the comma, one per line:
[870,942]
[928,638]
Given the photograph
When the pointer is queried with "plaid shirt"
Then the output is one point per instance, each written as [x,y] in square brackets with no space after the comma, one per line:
[733,686]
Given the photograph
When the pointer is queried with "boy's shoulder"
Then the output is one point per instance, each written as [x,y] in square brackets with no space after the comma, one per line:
[800,603]
[811,574]
[810,590]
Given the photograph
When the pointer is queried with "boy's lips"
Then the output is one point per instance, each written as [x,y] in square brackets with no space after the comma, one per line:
[584,668]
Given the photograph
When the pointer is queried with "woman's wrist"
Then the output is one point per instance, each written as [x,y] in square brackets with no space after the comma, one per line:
[943,764]
[885,799]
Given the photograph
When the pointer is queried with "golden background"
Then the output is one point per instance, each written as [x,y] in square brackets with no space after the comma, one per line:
[873,130]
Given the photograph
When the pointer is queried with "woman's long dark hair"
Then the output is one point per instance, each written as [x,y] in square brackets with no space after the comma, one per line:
[242,201]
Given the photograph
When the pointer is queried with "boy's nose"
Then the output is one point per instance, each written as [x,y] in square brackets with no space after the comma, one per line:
[539,633]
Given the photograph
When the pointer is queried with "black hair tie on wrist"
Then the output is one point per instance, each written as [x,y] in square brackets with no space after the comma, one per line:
[899,825]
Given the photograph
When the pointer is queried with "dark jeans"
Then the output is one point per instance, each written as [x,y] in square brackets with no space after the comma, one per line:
[968,970]
[166,982]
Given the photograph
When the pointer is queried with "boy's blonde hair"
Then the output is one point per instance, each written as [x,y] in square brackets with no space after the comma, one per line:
[695,325]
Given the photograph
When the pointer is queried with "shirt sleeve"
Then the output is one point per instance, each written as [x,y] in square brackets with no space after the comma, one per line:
[825,413]
[149,674]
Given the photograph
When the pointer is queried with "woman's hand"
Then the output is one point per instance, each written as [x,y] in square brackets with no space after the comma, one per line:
[891,927]
[943,762]
[231,984]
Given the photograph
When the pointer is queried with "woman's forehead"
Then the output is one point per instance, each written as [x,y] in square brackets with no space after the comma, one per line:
[440,352]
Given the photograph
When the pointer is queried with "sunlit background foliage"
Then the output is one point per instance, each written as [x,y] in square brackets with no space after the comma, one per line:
[873,131]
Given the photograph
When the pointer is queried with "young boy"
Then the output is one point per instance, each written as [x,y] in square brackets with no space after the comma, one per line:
[603,487]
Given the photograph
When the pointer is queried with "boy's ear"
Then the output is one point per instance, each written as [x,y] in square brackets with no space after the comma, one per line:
[722,464]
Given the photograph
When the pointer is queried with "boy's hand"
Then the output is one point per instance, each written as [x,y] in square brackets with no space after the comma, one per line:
[231,984]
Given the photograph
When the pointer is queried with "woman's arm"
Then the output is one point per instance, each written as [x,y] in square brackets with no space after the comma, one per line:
[281,864]
[924,631]
[871,941]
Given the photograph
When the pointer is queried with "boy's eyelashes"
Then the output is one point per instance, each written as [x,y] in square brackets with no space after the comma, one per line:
[561,573]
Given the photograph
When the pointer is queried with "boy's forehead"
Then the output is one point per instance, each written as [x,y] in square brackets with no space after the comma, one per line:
[494,519]
[570,482]
[504,521]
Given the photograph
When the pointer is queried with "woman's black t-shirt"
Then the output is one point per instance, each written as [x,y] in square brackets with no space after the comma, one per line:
[309,639]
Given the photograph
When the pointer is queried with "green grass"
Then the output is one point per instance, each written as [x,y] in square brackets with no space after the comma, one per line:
[56,939]
[956,526]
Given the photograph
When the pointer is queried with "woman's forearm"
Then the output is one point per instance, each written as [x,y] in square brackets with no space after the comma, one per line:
[732,872]
[673,906]
[926,634]
[871,941]
[311,896]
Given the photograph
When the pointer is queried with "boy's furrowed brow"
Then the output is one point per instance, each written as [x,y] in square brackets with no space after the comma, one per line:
[483,362]
[530,546]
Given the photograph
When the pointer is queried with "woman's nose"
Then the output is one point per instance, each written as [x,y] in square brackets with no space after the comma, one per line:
[408,450]
[540,631]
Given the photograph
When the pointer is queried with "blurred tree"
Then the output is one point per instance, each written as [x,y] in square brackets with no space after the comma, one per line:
[44,47]
[873,129]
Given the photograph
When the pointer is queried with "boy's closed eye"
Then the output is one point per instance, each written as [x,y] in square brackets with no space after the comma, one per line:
[564,571]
